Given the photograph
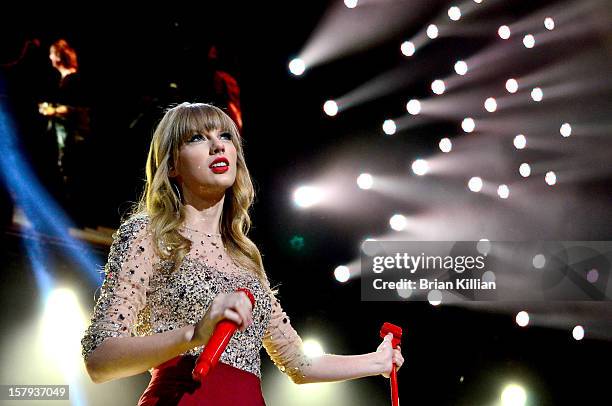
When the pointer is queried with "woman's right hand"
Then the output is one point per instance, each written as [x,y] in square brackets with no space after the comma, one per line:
[234,306]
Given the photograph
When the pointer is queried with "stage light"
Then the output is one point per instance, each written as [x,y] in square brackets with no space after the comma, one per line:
[550,178]
[478,1]
[365,181]
[454,13]
[438,86]
[62,309]
[490,104]
[488,276]
[522,319]
[370,249]
[484,247]
[420,167]
[475,184]
[330,108]
[342,273]
[525,170]
[461,68]
[389,127]
[307,196]
[520,141]
[404,293]
[350,3]
[537,94]
[434,297]
[432,31]
[60,303]
[578,333]
[513,395]
[468,125]
[297,66]
[538,261]
[504,32]
[503,191]
[413,107]
[529,41]
[312,348]
[445,145]
[592,275]
[549,23]
[398,222]
[566,130]
[511,85]
[408,48]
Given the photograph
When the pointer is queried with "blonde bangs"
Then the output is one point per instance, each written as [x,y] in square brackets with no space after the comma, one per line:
[200,117]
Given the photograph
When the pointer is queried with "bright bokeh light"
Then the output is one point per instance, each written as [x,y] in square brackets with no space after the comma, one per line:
[454,13]
[520,141]
[529,41]
[468,125]
[330,108]
[478,1]
[549,23]
[566,130]
[404,293]
[445,145]
[438,86]
[578,333]
[350,3]
[413,107]
[525,170]
[539,261]
[434,297]
[389,127]
[484,246]
[398,222]
[461,68]
[522,318]
[475,184]
[369,249]
[420,167]
[408,48]
[312,348]
[342,273]
[504,32]
[550,178]
[513,395]
[537,94]
[511,85]
[297,66]
[307,196]
[365,181]
[62,309]
[432,31]
[490,104]
[503,191]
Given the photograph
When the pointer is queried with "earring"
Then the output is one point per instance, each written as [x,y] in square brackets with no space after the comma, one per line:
[178,192]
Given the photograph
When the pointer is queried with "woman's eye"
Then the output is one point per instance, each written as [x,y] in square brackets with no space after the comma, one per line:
[196,137]
[227,136]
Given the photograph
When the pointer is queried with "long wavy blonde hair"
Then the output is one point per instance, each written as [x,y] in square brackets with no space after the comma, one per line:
[162,203]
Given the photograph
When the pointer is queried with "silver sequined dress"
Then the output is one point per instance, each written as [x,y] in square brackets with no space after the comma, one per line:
[141,295]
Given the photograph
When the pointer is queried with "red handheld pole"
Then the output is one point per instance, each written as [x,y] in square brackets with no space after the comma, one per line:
[397,338]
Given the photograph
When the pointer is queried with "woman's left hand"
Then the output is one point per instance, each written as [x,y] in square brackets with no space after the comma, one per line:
[389,356]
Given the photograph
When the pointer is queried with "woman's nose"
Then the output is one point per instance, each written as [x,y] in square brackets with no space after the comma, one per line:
[217,146]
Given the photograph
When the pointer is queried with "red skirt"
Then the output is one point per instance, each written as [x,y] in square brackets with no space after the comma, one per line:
[172,384]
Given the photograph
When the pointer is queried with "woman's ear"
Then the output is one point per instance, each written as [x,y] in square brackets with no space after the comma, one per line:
[172,173]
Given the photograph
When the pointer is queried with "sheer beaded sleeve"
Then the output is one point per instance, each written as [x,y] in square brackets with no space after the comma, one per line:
[284,345]
[124,290]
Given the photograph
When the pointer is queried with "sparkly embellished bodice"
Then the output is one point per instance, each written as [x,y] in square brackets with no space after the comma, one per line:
[143,295]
